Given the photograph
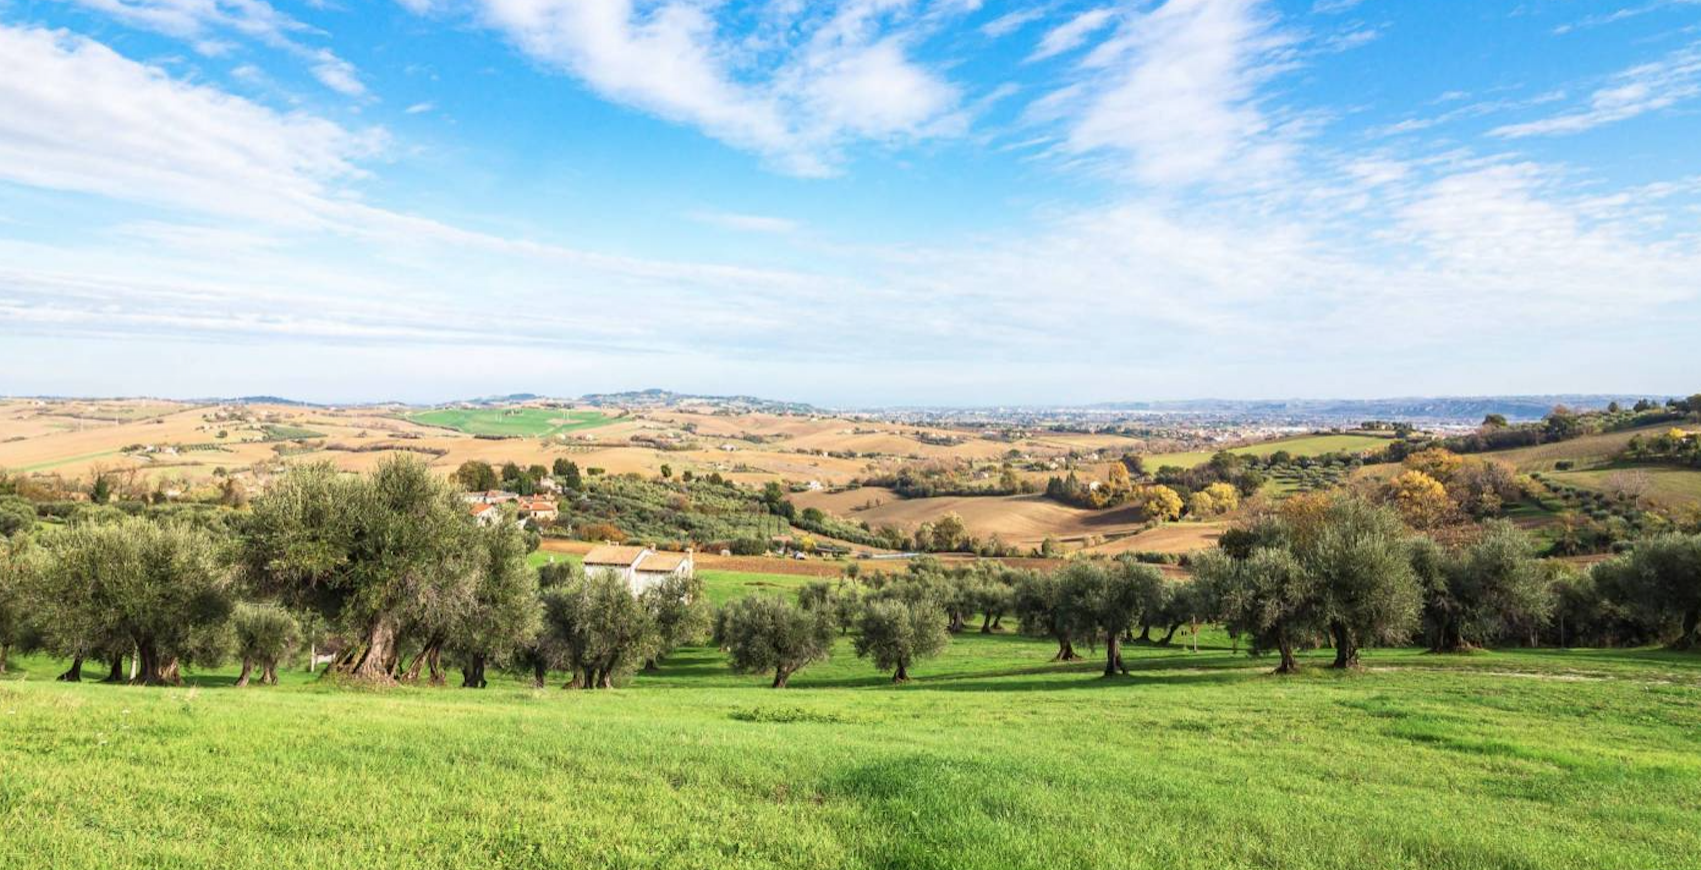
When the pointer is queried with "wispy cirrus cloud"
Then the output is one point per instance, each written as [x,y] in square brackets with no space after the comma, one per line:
[753,223]
[1072,34]
[817,84]
[1621,14]
[210,25]
[1173,91]
[1637,91]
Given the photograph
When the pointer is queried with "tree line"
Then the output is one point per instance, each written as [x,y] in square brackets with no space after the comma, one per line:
[387,568]
[389,572]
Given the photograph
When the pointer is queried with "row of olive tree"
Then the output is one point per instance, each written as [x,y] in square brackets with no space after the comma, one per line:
[389,565]
[1341,571]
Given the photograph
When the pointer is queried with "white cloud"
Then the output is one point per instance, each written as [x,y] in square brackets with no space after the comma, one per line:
[1072,33]
[1173,91]
[74,115]
[1620,14]
[337,74]
[420,108]
[1010,22]
[255,231]
[1639,90]
[199,19]
[204,23]
[851,76]
[745,222]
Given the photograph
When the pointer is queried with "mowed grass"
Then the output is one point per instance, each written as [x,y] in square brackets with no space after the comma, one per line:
[1303,445]
[994,757]
[523,422]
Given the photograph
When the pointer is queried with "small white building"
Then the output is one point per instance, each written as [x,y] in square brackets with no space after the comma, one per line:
[485,514]
[640,567]
[494,496]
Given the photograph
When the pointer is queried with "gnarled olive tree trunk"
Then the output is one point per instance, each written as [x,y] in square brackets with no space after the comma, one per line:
[1289,664]
[247,669]
[74,673]
[1113,654]
[1346,647]
[373,658]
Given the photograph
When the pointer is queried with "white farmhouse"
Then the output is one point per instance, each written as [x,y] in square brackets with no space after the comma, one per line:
[485,514]
[640,567]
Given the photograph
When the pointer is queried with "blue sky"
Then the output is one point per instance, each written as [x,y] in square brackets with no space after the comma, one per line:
[861,202]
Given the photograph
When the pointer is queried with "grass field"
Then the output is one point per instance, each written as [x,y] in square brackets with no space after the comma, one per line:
[45,466]
[1594,459]
[992,758]
[1666,484]
[1304,445]
[524,422]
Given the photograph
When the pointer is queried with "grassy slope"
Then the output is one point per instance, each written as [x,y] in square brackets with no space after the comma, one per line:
[1304,445]
[993,758]
[529,422]
[1593,457]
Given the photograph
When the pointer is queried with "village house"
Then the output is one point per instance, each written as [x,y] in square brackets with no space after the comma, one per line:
[640,567]
[485,514]
[539,509]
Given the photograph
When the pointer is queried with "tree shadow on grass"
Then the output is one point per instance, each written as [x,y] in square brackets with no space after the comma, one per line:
[1087,673]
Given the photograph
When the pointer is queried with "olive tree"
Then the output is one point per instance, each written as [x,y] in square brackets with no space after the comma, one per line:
[768,633]
[369,553]
[1660,585]
[895,633]
[597,630]
[1268,596]
[1042,611]
[502,612]
[680,612]
[17,567]
[1478,595]
[841,598]
[265,634]
[158,586]
[16,516]
[1108,601]
[1360,557]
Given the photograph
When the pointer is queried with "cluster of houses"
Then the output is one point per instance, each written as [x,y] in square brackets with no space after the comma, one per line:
[486,507]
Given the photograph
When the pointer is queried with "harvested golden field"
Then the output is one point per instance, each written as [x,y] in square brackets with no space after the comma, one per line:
[845,503]
[1167,538]
[1023,520]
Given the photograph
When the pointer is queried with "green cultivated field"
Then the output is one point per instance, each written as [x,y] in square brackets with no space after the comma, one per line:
[992,758]
[524,422]
[1665,483]
[1304,445]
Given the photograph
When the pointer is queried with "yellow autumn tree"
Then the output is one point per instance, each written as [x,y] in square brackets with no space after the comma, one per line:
[1224,496]
[1158,502]
[1200,505]
[1422,500]
[1437,463]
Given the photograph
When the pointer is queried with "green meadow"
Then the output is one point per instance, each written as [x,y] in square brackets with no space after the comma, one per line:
[523,422]
[1303,445]
[992,757]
